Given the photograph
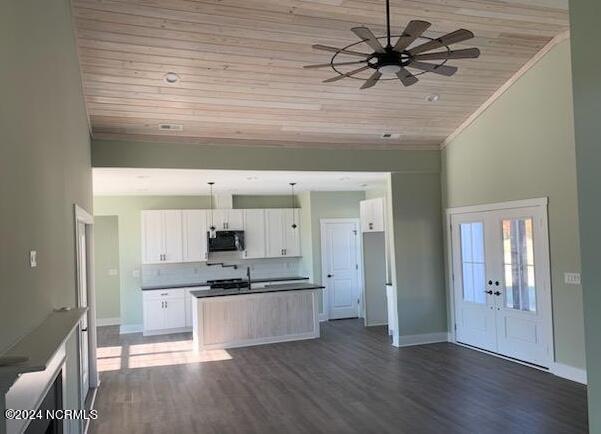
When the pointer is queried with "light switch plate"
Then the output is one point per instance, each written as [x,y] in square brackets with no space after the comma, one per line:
[572,278]
[33,258]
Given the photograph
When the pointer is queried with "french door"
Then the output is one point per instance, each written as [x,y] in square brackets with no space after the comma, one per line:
[502,291]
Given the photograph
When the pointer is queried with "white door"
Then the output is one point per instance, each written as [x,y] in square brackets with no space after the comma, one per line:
[291,232]
[194,235]
[83,302]
[152,237]
[274,236]
[254,233]
[502,282]
[235,220]
[341,269]
[474,302]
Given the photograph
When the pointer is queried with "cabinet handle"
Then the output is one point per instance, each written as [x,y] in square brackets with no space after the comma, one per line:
[162,304]
[164,293]
[285,252]
[165,304]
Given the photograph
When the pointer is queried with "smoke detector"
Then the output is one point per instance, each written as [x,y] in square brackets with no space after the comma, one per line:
[171,127]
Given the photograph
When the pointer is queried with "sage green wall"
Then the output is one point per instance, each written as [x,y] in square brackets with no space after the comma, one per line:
[106,258]
[416,252]
[247,201]
[523,147]
[113,153]
[585,18]
[44,167]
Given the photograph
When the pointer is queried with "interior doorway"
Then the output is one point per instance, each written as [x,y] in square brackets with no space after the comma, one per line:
[86,331]
[501,280]
[341,268]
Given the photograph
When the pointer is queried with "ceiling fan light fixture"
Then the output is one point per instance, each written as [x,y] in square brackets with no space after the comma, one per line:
[405,59]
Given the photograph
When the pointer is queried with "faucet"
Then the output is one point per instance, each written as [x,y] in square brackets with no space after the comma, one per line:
[248,277]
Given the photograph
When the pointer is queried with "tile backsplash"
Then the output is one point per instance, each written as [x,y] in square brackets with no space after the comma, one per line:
[194,272]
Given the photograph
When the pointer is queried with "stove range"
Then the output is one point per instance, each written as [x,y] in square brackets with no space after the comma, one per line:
[228,283]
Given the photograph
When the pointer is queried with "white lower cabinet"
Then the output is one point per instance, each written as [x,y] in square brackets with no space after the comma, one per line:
[168,310]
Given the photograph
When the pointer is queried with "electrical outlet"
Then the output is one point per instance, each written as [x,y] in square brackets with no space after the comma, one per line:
[572,278]
[33,258]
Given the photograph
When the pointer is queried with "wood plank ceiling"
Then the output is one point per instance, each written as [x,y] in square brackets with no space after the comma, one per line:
[242,81]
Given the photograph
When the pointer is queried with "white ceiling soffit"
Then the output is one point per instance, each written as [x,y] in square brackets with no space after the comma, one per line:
[147,182]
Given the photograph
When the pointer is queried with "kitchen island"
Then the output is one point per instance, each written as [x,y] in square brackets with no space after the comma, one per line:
[228,318]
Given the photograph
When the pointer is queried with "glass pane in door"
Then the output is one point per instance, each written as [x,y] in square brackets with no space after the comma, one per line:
[472,261]
[518,258]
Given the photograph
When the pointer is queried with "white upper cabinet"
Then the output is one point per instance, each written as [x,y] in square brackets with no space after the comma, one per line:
[173,236]
[291,235]
[152,237]
[372,215]
[195,230]
[161,236]
[254,233]
[227,219]
[235,220]
[281,239]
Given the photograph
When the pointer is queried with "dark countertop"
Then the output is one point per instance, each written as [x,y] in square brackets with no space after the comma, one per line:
[191,285]
[273,288]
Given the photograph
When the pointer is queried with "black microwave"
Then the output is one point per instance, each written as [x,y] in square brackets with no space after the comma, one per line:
[226,241]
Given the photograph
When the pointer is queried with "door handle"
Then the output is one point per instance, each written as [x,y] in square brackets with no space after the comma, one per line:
[330,275]
[497,293]
[489,292]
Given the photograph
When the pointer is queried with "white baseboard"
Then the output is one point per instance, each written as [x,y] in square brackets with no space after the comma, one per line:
[426,338]
[130,328]
[101,322]
[377,323]
[569,372]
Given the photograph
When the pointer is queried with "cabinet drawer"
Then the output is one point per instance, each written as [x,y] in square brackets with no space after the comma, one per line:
[155,294]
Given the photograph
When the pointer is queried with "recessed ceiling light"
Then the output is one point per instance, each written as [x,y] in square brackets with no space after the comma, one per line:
[362,185]
[252,178]
[171,77]
[344,178]
[171,127]
[390,135]
[433,98]
[142,177]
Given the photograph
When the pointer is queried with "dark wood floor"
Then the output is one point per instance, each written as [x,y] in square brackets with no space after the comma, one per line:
[351,380]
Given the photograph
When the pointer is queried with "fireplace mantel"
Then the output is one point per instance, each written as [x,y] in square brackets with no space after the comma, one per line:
[42,348]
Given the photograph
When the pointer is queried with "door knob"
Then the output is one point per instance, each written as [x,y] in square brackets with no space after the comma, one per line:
[330,275]
[496,283]
[497,293]
[490,282]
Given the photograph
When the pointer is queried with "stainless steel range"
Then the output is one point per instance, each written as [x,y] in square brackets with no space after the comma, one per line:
[236,283]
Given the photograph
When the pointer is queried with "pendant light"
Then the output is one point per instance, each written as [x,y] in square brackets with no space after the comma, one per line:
[212,232]
[292,184]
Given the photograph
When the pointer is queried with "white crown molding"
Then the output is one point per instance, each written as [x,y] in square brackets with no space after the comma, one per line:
[523,70]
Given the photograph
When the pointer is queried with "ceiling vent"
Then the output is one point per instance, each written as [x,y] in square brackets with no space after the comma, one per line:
[390,136]
[171,127]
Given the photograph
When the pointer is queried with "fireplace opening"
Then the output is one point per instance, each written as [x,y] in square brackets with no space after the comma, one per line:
[52,401]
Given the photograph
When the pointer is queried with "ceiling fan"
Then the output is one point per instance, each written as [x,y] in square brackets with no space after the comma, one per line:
[395,59]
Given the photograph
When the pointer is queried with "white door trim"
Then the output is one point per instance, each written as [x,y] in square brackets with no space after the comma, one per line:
[537,202]
[325,315]
[82,216]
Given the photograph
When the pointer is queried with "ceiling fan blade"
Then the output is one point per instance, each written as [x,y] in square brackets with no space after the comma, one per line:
[413,31]
[327,65]
[436,69]
[340,50]
[348,74]
[406,77]
[372,80]
[368,37]
[468,53]
[448,39]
